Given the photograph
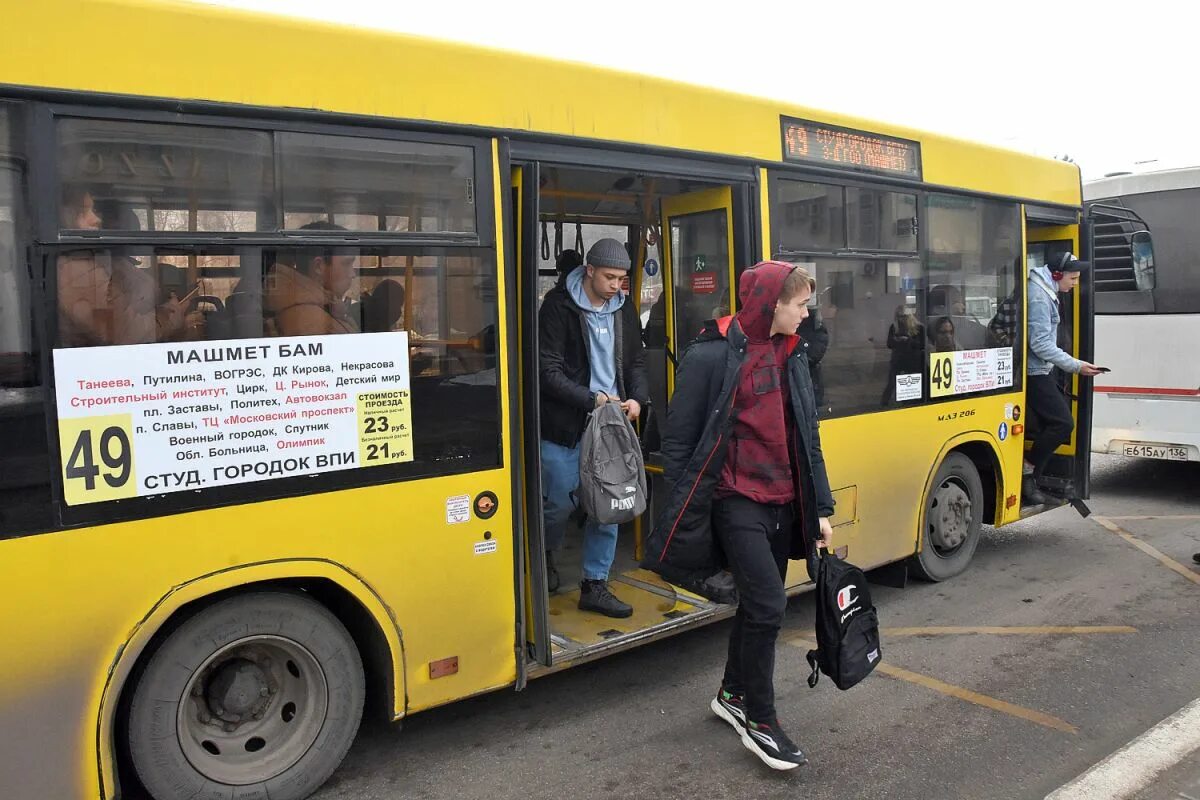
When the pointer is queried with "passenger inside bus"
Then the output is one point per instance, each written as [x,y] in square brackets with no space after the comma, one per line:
[905,340]
[381,309]
[947,301]
[944,340]
[306,289]
[104,298]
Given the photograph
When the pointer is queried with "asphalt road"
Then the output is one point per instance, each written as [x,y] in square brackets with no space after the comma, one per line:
[957,715]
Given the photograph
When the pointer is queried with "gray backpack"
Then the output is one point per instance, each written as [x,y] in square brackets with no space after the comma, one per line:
[612,476]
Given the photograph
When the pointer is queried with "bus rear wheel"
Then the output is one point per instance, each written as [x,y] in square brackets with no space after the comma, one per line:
[256,695]
[953,520]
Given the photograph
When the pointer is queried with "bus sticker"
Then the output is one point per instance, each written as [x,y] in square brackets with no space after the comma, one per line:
[966,371]
[151,419]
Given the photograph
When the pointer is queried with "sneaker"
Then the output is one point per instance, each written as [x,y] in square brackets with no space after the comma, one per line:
[596,596]
[552,580]
[1031,495]
[772,745]
[1196,557]
[731,708]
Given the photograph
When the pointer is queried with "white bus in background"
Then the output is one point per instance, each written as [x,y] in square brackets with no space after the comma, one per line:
[1147,314]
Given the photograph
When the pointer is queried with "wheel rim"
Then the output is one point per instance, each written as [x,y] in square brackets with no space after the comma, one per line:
[252,710]
[949,517]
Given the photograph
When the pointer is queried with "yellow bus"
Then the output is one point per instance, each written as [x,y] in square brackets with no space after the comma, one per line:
[268,394]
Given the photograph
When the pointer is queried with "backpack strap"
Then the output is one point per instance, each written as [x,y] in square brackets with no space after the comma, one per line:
[816,669]
[618,347]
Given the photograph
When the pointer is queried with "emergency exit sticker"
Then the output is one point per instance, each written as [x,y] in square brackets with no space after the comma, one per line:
[458,509]
[704,282]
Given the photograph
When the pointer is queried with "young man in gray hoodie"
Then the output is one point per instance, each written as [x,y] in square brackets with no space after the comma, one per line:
[590,353]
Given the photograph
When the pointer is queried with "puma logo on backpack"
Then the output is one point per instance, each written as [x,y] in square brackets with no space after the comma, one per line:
[612,476]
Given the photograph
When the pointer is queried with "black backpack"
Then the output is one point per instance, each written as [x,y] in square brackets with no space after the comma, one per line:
[847,624]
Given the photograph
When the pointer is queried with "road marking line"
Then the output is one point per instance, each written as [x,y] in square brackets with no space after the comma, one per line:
[1136,764]
[1159,516]
[1008,630]
[1165,560]
[950,690]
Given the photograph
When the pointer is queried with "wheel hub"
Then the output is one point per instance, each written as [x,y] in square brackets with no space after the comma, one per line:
[237,691]
[950,516]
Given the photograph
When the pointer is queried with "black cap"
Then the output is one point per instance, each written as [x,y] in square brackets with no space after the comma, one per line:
[1067,262]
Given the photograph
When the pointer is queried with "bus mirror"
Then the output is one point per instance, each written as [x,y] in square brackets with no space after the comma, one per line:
[1142,251]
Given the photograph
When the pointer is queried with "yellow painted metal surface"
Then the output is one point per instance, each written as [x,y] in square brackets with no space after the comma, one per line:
[590,628]
[90,599]
[887,518]
[393,75]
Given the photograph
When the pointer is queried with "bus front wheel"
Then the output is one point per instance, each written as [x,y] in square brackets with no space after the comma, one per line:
[953,519]
[256,695]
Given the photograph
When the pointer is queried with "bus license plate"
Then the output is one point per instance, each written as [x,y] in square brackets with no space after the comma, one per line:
[1168,452]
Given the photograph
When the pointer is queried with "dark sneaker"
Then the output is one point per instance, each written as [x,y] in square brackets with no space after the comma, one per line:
[551,573]
[772,745]
[1031,495]
[731,708]
[1196,557]
[596,596]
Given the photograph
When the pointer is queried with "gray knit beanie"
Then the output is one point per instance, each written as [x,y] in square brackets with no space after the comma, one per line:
[608,253]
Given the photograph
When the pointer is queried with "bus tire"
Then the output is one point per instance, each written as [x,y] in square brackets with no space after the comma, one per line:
[953,520]
[263,692]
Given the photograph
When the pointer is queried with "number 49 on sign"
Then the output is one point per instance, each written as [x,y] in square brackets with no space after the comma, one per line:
[97,457]
[941,374]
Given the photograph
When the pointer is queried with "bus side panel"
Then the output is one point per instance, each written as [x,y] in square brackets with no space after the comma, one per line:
[892,481]
[85,591]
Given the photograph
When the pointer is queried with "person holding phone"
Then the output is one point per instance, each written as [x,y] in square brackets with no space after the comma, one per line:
[1043,396]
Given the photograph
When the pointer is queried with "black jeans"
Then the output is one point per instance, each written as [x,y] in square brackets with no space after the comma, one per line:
[755,538]
[1044,398]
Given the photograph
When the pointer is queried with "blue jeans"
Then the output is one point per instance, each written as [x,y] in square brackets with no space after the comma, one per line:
[560,479]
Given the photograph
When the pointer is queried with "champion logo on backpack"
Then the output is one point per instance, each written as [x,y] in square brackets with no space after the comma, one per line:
[844,598]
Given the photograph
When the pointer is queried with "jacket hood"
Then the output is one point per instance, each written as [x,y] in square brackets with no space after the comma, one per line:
[758,292]
[577,293]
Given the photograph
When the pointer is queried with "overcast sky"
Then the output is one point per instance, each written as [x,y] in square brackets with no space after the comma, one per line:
[1112,85]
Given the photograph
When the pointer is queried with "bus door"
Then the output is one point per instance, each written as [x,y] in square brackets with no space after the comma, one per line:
[682,243]
[698,271]
[524,215]
[1047,238]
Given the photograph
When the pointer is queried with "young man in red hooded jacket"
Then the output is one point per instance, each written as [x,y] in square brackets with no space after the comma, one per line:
[748,491]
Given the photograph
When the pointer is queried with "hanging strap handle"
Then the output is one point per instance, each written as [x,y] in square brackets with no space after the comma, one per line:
[579,238]
[816,669]
[545,242]
[557,239]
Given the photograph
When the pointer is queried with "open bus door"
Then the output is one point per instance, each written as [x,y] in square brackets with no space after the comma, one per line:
[698,249]
[681,241]
[1048,236]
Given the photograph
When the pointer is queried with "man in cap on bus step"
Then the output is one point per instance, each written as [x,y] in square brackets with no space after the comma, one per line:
[590,353]
[1043,396]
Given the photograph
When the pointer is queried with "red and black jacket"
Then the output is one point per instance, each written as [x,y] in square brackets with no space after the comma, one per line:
[682,547]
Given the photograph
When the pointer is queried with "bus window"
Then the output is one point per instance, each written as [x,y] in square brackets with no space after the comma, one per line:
[866,305]
[173,178]
[377,184]
[973,268]
[24,469]
[810,216]
[878,220]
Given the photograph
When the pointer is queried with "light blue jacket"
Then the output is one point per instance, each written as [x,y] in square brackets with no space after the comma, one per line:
[1044,352]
